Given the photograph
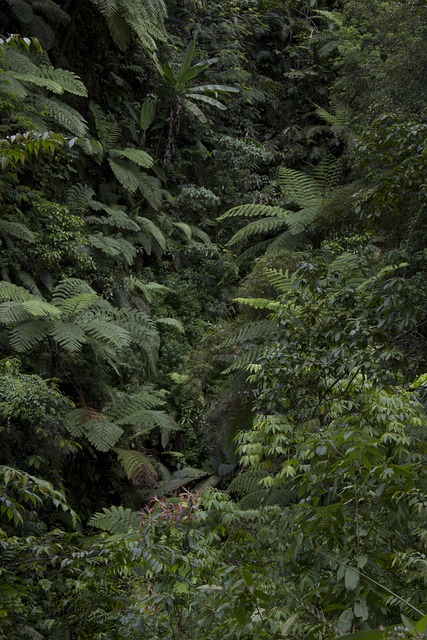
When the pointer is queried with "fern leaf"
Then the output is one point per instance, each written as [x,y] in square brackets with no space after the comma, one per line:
[114,247]
[138,467]
[179,479]
[16,230]
[148,419]
[105,332]
[185,228]
[139,157]
[153,230]
[45,83]
[108,130]
[259,303]
[69,335]
[22,10]
[67,80]
[248,333]
[78,198]
[298,221]
[102,434]
[151,189]
[146,398]
[126,176]
[279,280]
[9,291]
[12,313]
[26,335]
[239,363]
[116,520]
[69,287]
[171,322]
[257,227]
[51,10]
[247,482]
[40,309]
[301,188]
[254,210]
[66,116]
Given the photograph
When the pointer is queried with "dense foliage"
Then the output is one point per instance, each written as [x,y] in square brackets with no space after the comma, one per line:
[213,319]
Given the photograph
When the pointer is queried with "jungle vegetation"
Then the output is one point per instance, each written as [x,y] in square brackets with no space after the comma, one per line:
[213,319]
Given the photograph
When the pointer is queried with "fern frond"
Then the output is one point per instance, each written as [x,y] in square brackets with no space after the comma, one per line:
[51,10]
[247,358]
[116,520]
[105,332]
[179,479]
[151,189]
[327,173]
[247,482]
[185,228]
[102,434]
[138,467]
[254,210]
[146,398]
[67,80]
[126,176]
[139,157]
[114,247]
[171,322]
[65,115]
[37,308]
[69,335]
[259,303]
[16,230]
[26,335]
[22,11]
[9,291]
[248,333]
[78,198]
[116,217]
[12,312]
[70,287]
[301,188]
[149,227]
[108,130]
[279,280]
[299,221]
[258,227]
[120,31]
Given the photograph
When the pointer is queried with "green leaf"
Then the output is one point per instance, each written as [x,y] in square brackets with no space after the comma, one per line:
[351,579]
[148,111]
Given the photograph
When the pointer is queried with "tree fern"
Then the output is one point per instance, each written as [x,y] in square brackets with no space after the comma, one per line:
[103,434]
[130,18]
[68,335]
[66,116]
[151,189]
[139,157]
[107,128]
[125,175]
[116,520]
[153,232]
[308,192]
[249,333]
[258,227]
[115,247]
[247,482]
[138,466]
[16,230]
